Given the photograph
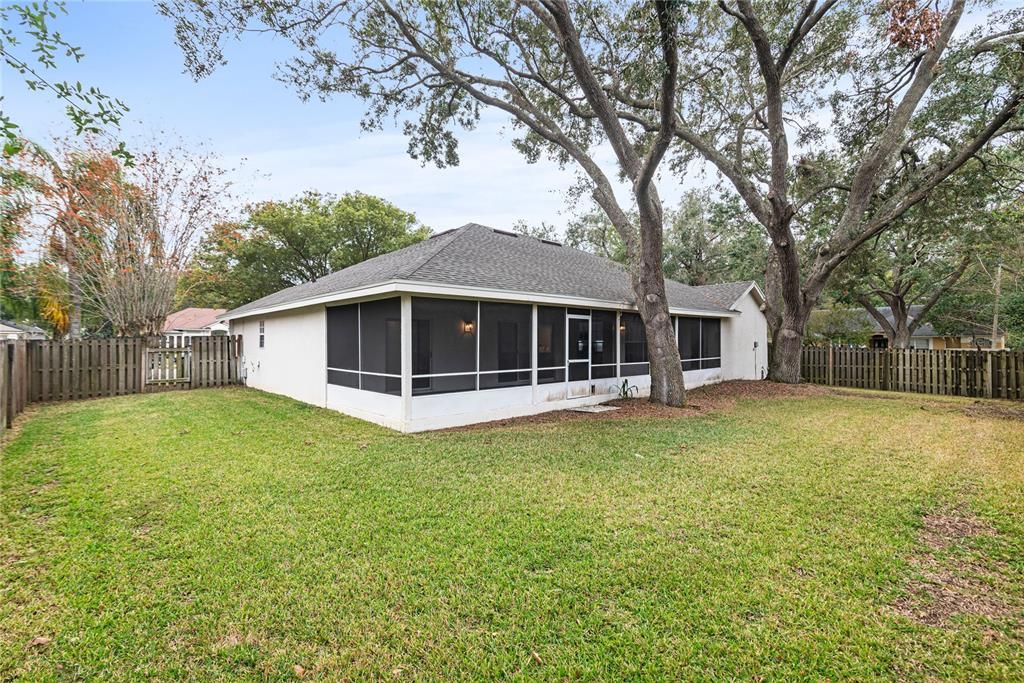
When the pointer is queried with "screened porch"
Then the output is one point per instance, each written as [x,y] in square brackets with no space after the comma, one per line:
[460,346]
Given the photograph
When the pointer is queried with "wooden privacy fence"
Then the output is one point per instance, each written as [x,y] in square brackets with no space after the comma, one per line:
[14,381]
[951,372]
[33,371]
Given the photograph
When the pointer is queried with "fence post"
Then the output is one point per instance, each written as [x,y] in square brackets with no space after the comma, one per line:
[4,382]
[141,344]
[883,361]
[989,374]
[193,362]
[830,373]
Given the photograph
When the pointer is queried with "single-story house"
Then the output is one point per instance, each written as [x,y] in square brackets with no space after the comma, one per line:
[11,330]
[477,324]
[926,337]
[195,322]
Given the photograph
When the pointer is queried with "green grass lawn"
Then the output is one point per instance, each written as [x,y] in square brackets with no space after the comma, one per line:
[229,534]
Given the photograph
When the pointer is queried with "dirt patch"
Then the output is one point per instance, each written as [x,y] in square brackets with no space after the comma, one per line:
[943,529]
[983,408]
[995,409]
[950,580]
[711,398]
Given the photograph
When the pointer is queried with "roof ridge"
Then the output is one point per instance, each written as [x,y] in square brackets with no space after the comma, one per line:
[730,282]
[456,232]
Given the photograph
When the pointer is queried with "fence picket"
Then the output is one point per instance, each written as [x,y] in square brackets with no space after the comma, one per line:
[44,370]
[951,372]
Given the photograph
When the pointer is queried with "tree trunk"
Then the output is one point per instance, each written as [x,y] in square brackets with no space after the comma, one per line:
[667,384]
[901,339]
[786,347]
[75,314]
[773,295]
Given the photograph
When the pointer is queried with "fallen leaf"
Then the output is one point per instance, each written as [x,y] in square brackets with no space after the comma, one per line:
[40,641]
[299,671]
[536,657]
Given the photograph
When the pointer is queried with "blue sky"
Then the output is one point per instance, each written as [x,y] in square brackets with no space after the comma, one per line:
[281,145]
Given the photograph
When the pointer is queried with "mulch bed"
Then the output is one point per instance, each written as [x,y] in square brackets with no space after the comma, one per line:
[711,398]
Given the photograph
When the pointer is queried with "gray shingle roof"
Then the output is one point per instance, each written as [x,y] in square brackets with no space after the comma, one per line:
[726,293]
[925,330]
[477,256]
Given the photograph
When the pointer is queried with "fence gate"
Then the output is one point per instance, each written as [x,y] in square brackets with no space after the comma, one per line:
[168,366]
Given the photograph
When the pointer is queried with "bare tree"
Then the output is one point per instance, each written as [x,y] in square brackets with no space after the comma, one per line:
[149,223]
[539,61]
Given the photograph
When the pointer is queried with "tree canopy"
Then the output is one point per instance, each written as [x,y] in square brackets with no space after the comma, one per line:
[931,248]
[280,244]
[31,47]
[708,239]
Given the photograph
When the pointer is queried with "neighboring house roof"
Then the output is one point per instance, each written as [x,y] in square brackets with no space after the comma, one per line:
[192,318]
[926,329]
[22,327]
[478,257]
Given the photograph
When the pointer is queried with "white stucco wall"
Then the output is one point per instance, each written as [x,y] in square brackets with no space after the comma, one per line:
[382,409]
[740,360]
[464,408]
[294,360]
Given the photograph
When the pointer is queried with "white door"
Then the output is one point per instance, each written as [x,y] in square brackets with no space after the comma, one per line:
[578,340]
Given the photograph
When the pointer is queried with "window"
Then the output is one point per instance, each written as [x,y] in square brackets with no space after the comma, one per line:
[633,346]
[700,343]
[364,346]
[505,345]
[444,345]
[550,345]
[602,344]
[263,338]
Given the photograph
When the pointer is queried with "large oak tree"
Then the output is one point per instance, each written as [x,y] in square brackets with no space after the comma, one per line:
[869,105]
[435,65]
[281,244]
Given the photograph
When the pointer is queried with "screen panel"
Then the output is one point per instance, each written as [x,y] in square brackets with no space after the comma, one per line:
[443,336]
[343,337]
[633,339]
[505,332]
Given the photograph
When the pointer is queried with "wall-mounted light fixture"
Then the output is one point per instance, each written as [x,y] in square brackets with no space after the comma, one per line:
[622,328]
[468,327]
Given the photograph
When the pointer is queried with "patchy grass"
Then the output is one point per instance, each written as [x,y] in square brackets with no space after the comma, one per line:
[231,534]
